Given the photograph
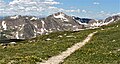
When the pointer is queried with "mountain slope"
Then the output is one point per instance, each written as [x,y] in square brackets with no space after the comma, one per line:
[40,48]
[104,48]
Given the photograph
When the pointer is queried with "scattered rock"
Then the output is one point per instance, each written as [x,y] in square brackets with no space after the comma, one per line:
[69,36]
[4,47]
[13,43]
[117,26]
[102,29]
[3,44]
[118,50]
[63,55]
[12,62]
[32,41]
[46,33]
[113,41]
[65,34]
[48,39]
[60,36]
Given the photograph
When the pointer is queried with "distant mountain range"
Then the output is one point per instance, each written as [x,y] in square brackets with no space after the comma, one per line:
[26,27]
[82,20]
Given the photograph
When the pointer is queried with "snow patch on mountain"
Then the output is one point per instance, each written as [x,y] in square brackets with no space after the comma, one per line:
[108,22]
[60,16]
[35,33]
[43,29]
[4,25]
[81,23]
[17,35]
[97,24]
[14,17]
[33,18]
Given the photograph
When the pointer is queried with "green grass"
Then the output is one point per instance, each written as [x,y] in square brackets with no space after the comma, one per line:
[104,48]
[39,49]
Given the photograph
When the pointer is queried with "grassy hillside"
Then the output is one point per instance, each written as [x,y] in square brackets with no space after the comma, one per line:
[40,48]
[104,48]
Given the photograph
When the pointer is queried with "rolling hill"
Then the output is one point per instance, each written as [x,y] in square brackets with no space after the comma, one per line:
[104,48]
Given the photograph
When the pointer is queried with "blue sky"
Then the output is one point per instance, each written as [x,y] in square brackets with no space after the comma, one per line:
[7,1]
[83,8]
[92,6]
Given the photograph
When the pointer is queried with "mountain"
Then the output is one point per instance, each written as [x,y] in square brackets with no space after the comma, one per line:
[86,22]
[112,19]
[26,27]
[82,20]
[17,27]
[97,23]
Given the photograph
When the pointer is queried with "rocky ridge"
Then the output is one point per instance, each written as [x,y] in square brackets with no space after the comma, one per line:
[26,27]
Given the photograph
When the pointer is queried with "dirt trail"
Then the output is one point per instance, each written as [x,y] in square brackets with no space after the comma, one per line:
[60,58]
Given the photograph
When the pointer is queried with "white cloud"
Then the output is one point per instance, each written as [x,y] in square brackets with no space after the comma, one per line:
[32,7]
[26,7]
[96,3]
[51,3]
[116,14]
[2,3]
[73,10]
[44,7]
[102,14]
[49,0]
[84,11]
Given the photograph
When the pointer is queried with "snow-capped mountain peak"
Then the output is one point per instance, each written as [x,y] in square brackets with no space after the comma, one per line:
[60,15]
[14,17]
[33,18]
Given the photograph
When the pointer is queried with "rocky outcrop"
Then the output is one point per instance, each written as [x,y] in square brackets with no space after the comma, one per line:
[112,19]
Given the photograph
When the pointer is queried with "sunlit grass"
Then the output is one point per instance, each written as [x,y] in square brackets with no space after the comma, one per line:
[40,49]
[104,48]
